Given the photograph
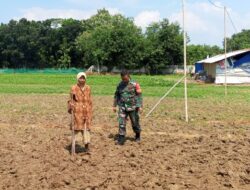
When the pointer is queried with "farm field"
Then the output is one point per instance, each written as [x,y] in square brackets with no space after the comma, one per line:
[210,152]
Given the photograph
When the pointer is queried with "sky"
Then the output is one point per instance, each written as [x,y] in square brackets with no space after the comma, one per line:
[204,22]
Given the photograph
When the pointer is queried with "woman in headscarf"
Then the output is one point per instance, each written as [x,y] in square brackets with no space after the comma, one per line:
[80,106]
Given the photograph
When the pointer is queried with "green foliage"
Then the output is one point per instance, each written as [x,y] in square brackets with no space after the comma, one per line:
[65,60]
[198,52]
[111,41]
[164,46]
[104,40]
[239,41]
[30,44]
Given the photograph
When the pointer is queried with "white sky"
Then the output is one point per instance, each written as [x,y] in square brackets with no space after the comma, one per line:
[204,22]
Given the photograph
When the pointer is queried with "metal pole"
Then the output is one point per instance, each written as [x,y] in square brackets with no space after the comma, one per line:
[225,48]
[185,61]
[164,96]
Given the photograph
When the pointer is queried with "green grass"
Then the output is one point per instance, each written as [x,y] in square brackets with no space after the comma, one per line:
[106,84]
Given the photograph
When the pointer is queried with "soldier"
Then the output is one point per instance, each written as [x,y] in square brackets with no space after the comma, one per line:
[80,105]
[128,97]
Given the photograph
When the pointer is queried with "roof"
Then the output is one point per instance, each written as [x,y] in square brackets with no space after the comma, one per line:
[222,56]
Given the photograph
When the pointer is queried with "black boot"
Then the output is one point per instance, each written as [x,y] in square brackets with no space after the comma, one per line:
[121,140]
[138,137]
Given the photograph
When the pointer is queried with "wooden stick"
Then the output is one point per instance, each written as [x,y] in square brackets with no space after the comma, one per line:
[73,140]
[85,132]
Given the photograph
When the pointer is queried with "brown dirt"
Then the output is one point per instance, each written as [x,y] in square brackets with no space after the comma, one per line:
[212,151]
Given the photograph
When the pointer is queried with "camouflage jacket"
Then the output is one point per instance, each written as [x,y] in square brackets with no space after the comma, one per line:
[128,95]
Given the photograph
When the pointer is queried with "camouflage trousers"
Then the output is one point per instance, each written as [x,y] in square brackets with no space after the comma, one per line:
[123,117]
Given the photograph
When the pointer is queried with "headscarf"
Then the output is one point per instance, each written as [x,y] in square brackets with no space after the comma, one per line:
[79,75]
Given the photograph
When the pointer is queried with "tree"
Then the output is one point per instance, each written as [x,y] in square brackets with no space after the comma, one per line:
[104,39]
[111,41]
[198,52]
[64,60]
[164,46]
[238,41]
[31,44]
[19,43]
[58,47]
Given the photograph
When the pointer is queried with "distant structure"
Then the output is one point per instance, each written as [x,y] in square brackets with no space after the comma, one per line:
[56,24]
[90,69]
[238,68]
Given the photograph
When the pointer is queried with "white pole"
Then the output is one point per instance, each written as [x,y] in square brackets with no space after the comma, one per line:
[185,61]
[225,48]
[164,96]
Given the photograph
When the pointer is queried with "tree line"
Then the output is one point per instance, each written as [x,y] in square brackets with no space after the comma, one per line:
[104,40]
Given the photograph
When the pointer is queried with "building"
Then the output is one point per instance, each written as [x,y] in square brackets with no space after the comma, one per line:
[238,67]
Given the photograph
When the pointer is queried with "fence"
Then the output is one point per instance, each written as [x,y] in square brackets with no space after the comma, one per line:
[170,69]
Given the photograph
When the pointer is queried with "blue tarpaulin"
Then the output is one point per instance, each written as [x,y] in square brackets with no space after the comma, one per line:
[244,59]
[199,67]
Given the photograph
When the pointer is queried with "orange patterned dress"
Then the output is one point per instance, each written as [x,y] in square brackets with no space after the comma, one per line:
[82,109]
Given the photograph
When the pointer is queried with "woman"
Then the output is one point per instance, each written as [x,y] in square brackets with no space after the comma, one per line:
[80,106]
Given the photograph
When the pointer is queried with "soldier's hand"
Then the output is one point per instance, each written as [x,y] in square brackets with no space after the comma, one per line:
[140,110]
[114,109]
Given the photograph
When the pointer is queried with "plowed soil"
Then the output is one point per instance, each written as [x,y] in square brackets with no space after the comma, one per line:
[212,151]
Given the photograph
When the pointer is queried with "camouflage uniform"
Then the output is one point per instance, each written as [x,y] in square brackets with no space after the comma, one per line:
[128,98]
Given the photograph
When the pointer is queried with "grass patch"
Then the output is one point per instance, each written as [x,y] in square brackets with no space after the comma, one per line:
[154,86]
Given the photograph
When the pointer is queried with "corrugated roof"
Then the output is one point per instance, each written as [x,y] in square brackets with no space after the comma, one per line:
[222,56]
